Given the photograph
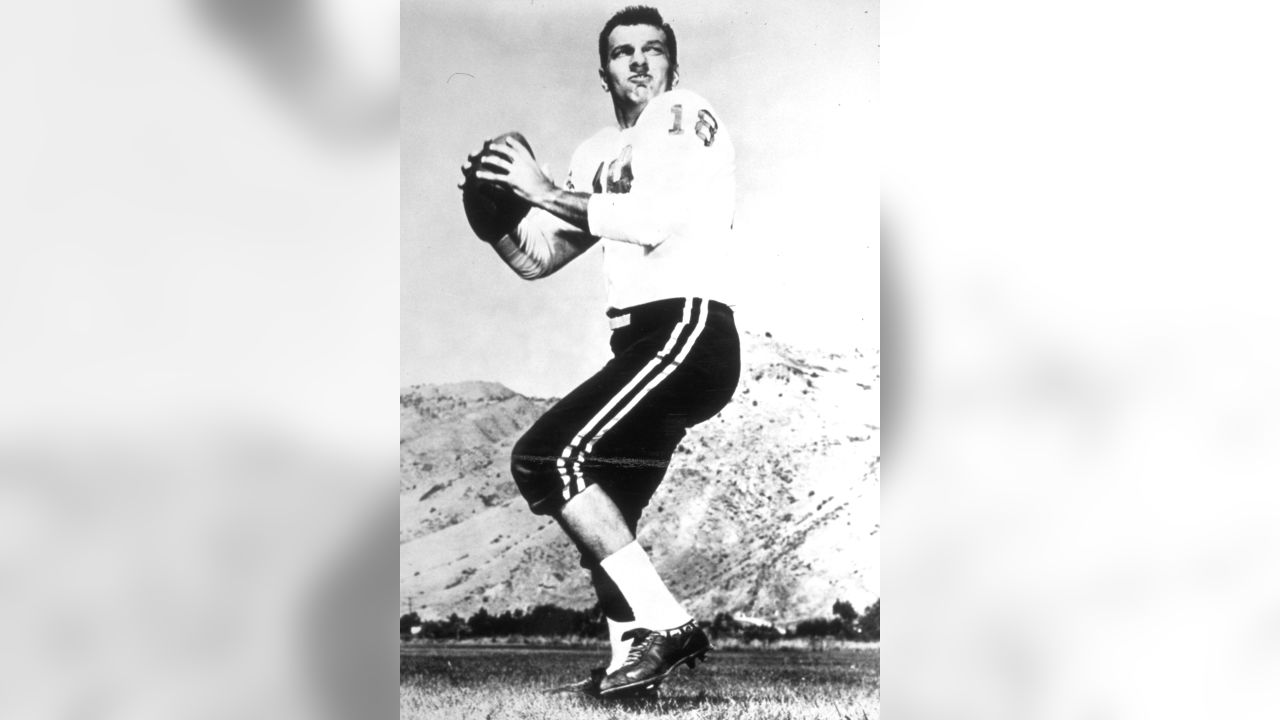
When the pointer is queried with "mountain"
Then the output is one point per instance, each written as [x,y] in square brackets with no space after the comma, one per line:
[771,509]
[455,441]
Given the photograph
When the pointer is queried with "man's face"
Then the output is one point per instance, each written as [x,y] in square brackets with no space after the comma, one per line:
[639,67]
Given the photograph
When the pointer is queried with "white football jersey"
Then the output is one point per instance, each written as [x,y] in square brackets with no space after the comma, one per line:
[662,201]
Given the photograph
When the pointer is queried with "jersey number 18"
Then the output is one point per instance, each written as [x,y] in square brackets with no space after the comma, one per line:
[705,128]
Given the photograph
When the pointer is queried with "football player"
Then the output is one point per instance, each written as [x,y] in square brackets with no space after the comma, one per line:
[656,193]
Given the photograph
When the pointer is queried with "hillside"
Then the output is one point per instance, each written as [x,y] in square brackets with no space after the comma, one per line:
[771,509]
[455,442]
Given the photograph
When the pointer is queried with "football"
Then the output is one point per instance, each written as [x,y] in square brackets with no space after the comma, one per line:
[492,210]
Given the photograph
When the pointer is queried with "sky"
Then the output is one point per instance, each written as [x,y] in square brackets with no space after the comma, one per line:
[797,88]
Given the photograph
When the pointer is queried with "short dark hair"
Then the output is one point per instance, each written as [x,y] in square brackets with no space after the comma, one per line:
[638,15]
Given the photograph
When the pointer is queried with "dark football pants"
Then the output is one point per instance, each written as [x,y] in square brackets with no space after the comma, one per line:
[675,364]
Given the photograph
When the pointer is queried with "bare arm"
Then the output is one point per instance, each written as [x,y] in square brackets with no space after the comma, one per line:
[626,219]
[522,175]
[541,244]
[687,179]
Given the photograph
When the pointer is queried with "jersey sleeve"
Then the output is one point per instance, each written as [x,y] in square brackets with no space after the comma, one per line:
[681,174]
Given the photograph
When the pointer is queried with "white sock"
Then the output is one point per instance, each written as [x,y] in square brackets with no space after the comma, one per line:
[654,606]
[617,645]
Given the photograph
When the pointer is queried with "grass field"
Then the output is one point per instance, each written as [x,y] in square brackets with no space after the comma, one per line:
[495,683]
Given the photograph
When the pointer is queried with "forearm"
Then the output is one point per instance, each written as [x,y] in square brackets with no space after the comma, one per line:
[540,245]
[525,265]
[568,205]
[641,218]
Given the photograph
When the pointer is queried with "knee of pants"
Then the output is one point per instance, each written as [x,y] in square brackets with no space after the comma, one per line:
[537,478]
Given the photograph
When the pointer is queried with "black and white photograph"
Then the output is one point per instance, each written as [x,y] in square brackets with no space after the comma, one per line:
[640,360]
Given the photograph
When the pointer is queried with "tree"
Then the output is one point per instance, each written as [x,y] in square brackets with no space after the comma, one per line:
[816,627]
[409,621]
[456,626]
[869,623]
[509,623]
[482,624]
[766,634]
[550,620]
[843,609]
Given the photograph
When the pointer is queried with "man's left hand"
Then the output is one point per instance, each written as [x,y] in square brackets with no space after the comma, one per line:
[514,168]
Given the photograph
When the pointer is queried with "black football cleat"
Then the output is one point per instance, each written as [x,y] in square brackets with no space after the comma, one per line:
[654,654]
[591,686]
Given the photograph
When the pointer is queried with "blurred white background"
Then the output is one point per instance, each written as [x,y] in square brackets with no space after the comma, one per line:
[199,359]
[1079,505]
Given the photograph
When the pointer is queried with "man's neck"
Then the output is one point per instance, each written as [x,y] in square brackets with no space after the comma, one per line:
[628,115]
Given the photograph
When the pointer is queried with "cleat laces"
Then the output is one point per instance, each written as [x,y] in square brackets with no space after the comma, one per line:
[640,640]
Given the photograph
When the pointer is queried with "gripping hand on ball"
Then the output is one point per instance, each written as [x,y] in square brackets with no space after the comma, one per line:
[493,209]
[509,164]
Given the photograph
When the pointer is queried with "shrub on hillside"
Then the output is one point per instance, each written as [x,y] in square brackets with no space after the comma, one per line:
[869,623]
[408,622]
[847,624]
